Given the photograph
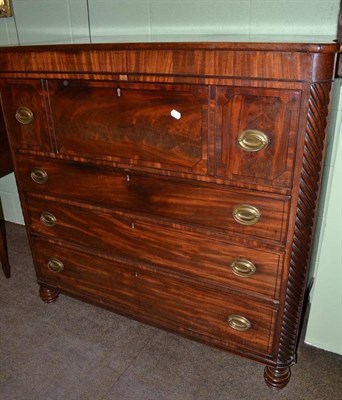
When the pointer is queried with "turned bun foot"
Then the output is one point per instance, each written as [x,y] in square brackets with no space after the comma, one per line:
[277,378]
[48,294]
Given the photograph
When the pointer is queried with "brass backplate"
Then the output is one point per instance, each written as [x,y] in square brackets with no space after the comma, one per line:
[5,9]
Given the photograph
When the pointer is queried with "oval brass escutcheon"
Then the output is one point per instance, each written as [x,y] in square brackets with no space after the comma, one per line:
[242,267]
[246,214]
[239,323]
[253,140]
[55,265]
[39,175]
[48,219]
[24,115]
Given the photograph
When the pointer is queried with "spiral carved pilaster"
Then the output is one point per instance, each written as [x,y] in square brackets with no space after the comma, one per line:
[303,235]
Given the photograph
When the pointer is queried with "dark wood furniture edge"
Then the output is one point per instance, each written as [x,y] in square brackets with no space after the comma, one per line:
[277,377]
[3,250]
[6,167]
[292,46]
[60,61]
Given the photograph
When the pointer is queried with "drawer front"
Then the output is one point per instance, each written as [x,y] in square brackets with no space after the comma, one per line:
[156,298]
[141,241]
[159,126]
[257,134]
[25,114]
[193,204]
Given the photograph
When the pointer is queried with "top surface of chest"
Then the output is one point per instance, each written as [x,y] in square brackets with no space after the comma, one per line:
[282,61]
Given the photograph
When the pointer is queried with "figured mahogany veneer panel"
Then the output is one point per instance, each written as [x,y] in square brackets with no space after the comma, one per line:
[278,61]
[172,303]
[162,126]
[29,94]
[272,112]
[142,241]
[212,207]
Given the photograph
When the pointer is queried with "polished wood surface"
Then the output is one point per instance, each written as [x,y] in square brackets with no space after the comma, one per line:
[203,206]
[287,61]
[142,129]
[175,183]
[185,307]
[128,236]
[275,113]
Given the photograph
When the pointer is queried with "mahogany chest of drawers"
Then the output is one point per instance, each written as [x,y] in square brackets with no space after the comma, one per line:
[175,183]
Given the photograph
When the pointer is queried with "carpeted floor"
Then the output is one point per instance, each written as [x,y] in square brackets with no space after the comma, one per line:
[71,350]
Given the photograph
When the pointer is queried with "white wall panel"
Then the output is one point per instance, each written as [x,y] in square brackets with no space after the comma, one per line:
[51,21]
[294,17]
[8,32]
[199,17]
[325,320]
[112,19]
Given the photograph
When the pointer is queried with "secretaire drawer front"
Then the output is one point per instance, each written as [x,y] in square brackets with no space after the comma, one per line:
[256,134]
[217,317]
[141,241]
[159,126]
[241,212]
[24,102]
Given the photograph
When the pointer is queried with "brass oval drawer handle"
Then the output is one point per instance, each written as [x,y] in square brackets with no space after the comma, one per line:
[242,267]
[39,175]
[239,323]
[24,115]
[55,265]
[246,214]
[48,219]
[253,140]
